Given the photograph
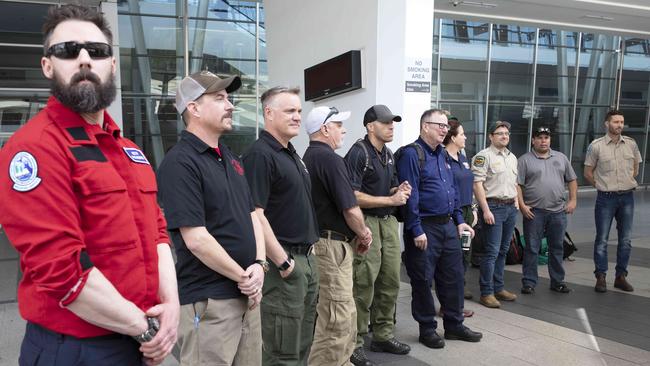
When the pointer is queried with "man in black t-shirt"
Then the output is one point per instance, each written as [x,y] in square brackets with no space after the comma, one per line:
[376,273]
[218,238]
[281,190]
[339,220]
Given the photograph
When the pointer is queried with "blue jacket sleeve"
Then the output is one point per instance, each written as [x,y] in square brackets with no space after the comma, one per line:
[457,214]
[408,169]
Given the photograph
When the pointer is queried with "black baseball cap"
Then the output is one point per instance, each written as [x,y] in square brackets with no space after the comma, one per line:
[380,113]
[542,130]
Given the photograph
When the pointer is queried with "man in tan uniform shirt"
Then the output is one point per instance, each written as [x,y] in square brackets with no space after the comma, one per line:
[611,165]
[495,189]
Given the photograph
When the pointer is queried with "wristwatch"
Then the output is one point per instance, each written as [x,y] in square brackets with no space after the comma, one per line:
[284,266]
[148,334]
[264,264]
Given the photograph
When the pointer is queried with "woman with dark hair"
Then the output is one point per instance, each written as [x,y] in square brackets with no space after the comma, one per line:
[463,178]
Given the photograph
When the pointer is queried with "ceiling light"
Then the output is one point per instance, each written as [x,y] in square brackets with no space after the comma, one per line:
[615,4]
[598,17]
[478,4]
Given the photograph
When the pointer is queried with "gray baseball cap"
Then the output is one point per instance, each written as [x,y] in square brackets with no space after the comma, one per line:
[202,82]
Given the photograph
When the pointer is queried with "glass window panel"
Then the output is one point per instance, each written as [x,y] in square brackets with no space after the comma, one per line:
[16,111]
[20,67]
[513,53]
[22,22]
[463,74]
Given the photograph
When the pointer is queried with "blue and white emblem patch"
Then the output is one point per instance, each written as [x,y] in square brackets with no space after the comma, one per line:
[136,155]
[23,171]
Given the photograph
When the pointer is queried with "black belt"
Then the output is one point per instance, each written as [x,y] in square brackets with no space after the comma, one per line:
[333,235]
[61,337]
[383,217]
[499,201]
[438,219]
[617,192]
[304,249]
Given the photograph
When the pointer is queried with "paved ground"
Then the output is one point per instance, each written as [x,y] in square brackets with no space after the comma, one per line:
[580,328]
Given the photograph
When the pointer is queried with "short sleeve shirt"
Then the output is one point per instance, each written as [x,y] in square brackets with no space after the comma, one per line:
[613,163]
[332,191]
[543,180]
[373,173]
[280,184]
[198,187]
[497,170]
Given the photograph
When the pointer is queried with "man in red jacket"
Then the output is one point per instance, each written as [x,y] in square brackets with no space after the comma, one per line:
[79,205]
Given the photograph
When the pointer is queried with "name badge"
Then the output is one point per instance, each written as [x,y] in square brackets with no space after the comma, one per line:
[136,155]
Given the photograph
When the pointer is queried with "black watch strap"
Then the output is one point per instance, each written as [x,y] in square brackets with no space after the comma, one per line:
[154,327]
[284,266]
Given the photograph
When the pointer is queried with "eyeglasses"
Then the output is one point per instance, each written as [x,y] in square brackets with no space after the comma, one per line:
[543,130]
[501,133]
[70,50]
[332,112]
[442,126]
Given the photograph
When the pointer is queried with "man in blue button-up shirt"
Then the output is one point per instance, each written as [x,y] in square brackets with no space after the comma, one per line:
[432,225]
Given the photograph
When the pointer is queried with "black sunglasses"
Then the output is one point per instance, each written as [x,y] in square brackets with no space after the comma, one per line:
[70,50]
[332,112]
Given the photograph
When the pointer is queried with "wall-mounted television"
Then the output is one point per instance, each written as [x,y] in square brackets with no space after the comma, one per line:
[335,76]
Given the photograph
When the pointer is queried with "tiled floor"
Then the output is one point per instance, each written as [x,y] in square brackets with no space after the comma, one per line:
[542,329]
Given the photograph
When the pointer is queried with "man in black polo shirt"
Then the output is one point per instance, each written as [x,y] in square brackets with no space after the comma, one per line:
[218,238]
[376,273]
[281,190]
[340,220]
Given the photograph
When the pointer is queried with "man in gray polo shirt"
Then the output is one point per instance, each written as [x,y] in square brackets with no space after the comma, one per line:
[542,176]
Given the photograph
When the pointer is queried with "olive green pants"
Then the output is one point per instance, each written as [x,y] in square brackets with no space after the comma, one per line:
[288,313]
[336,324]
[376,280]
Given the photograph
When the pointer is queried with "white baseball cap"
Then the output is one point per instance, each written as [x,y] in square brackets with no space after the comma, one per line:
[321,115]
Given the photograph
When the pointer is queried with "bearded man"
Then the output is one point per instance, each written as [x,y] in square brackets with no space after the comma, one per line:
[79,205]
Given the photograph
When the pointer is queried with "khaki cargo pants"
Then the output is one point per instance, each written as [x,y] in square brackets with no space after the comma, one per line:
[376,280]
[220,332]
[336,325]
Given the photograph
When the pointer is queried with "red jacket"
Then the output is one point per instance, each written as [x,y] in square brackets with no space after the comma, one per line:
[78,196]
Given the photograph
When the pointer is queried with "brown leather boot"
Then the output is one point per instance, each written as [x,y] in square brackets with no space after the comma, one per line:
[621,283]
[601,284]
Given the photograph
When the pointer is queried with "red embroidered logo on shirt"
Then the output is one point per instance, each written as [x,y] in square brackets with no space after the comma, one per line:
[237,166]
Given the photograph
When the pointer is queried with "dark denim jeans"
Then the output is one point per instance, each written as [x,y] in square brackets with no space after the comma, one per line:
[610,205]
[497,242]
[549,225]
[440,264]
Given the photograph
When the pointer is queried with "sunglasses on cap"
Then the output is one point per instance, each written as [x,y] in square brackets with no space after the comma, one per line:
[70,50]
[332,112]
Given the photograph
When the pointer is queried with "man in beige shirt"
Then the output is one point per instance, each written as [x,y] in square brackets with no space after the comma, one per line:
[611,165]
[495,189]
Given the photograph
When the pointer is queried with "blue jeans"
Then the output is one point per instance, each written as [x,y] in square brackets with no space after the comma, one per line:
[441,263]
[497,242]
[552,226]
[610,205]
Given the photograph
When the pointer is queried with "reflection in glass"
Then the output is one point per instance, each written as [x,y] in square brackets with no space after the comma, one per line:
[222,39]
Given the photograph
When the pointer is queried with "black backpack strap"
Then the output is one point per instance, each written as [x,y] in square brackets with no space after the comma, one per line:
[418,149]
[359,142]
